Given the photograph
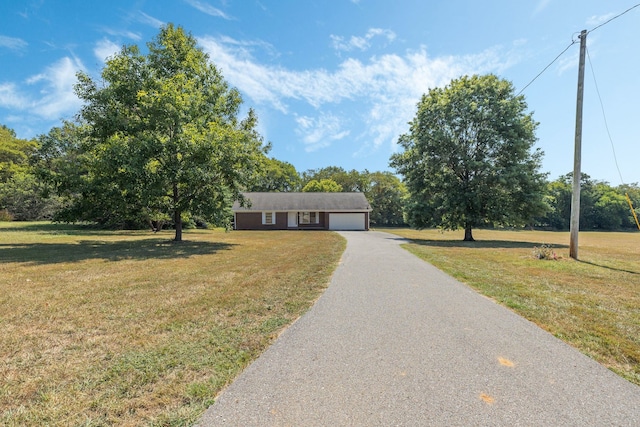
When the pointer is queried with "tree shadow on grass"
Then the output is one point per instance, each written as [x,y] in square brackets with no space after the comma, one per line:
[142,249]
[65,229]
[481,244]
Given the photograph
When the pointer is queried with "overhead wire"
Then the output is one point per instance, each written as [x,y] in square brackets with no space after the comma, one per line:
[599,97]
[545,68]
[574,42]
[606,125]
[604,115]
[615,17]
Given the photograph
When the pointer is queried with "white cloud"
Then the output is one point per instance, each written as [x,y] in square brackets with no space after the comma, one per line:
[55,97]
[105,48]
[320,132]
[149,20]
[362,43]
[387,87]
[244,48]
[13,43]
[11,98]
[205,7]
[122,33]
[238,68]
[58,97]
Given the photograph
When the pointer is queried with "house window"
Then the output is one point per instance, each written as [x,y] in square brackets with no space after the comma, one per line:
[308,218]
[268,218]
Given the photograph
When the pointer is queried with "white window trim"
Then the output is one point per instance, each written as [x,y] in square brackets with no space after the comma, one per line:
[273,218]
[301,216]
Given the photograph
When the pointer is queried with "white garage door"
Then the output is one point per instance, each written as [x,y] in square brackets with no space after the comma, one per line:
[346,221]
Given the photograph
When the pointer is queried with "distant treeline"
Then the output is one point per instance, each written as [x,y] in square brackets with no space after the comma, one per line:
[39,177]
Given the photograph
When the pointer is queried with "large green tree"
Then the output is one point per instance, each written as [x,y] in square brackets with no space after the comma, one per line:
[22,195]
[602,207]
[275,175]
[14,153]
[62,161]
[351,181]
[387,195]
[468,159]
[165,135]
[322,186]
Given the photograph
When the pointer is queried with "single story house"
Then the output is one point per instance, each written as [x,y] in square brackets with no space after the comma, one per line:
[302,211]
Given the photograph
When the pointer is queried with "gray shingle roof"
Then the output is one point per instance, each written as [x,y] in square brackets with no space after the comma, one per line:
[304,202]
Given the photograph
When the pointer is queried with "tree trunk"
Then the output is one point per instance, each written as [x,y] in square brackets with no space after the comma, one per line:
[177,215]
[178,222]
[468,236]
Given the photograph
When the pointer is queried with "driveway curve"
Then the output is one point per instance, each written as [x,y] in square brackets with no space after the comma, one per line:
[395,342]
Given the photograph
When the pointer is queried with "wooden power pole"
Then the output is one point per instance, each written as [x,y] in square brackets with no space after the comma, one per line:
[577,156]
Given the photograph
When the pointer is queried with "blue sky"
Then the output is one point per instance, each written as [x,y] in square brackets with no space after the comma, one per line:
[334,82]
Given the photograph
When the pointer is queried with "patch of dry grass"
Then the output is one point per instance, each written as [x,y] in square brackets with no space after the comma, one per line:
[129,328]
[593,304]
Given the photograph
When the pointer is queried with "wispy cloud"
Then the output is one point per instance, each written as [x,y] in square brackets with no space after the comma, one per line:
[361,42]
[244,48]
[205,7]
[319,132]
[568,62]
[54,86]
[122,33]
[149,20]
[11,98]
[389,87]
[13,43]
[105,48]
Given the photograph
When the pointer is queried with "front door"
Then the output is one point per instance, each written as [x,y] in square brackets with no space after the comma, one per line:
[292,219]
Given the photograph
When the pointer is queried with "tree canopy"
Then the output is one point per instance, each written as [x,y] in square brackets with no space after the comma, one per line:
[163,134]
[387,195]
[602,207]
[468,158]
[322,186]
[23,196]
[349,181]
[384,190]
[275,175]
[14,153]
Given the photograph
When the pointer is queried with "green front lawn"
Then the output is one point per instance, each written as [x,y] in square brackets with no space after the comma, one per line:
[129,328]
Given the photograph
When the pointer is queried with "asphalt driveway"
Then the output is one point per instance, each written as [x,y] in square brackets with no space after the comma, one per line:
[396,342]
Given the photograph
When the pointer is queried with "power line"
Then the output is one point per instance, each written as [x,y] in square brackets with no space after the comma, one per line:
[615,17]
[545,68]
[572,43]
[606,125]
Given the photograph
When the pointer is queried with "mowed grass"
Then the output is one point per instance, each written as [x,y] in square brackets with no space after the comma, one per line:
[129,328]
[592,304]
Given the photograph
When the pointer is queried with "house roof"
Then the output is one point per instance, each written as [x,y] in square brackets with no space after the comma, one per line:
[334,202]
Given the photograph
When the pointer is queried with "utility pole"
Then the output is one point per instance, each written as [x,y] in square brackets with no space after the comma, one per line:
[577,156]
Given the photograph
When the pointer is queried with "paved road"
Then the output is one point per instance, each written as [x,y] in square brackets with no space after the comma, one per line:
[395,342]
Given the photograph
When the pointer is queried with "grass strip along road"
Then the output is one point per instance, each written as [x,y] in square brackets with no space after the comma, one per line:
[592,304]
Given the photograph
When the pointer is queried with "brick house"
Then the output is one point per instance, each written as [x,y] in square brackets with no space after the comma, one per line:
[302,211]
